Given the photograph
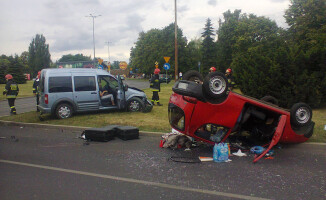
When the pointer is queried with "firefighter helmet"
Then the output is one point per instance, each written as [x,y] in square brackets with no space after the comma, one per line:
[229,70]
[157,71]
[212,69]
[8,76]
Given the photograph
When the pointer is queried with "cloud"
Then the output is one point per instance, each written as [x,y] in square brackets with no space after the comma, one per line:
[67,30]
[212,2]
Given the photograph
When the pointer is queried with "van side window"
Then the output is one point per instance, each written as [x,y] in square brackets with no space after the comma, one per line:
[60,84]
[84,83]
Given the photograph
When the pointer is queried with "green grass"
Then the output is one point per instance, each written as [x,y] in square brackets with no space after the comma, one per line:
[25,90]
[156,120]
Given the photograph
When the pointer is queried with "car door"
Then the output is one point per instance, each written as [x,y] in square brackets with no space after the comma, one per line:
[121,97]
[86,94]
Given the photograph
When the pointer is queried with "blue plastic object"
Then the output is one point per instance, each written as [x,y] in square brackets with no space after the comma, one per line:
[257,149]
[220,152]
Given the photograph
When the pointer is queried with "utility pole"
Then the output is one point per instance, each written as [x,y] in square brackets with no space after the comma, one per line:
[109,64]
[93,17]
[175,42]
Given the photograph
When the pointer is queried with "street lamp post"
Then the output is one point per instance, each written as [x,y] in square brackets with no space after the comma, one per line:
[93,17]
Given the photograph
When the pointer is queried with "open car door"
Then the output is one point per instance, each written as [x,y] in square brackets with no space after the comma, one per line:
[277,136]
[121,97]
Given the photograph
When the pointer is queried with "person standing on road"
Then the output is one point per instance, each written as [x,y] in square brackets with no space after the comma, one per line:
[230,78]
[180,75]
[35,90]
[156,87]
[11,91]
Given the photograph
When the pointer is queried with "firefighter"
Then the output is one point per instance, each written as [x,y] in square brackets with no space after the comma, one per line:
[156,88]
[231,83]
[212,69]
[11,91]
[35,90]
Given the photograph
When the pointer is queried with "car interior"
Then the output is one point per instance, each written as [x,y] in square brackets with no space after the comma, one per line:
[106,81]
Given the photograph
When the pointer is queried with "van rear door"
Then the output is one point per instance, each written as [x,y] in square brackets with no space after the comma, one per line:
[86,94]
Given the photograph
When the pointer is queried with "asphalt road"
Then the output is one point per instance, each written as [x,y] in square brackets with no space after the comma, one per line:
[39,163]
[29,104]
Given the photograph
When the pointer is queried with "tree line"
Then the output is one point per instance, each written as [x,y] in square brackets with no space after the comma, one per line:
[288,64]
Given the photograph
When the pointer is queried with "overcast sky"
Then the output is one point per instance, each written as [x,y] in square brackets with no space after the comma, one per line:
[68,31]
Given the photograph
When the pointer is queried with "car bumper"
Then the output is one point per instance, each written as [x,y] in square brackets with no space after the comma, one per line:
[44,109]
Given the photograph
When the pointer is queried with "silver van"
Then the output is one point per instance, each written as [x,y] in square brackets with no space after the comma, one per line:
[66,91]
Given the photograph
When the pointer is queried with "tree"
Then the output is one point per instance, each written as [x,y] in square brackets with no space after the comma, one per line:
[76,57]
[24,60]
[16,68]
[227,38]
[4,64]
[193,54]
[208,46]
[308,38]
[38,55]
[153,46]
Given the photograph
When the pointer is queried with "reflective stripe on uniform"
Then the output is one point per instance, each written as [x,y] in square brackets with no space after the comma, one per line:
[11,96]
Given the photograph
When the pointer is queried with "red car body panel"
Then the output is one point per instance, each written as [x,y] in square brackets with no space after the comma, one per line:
[227,114]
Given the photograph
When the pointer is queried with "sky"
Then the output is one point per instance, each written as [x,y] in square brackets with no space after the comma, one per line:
[68,30]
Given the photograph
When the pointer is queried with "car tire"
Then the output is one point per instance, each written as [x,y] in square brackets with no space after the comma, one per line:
[63,111]
[301,114]
[193,75]
[135,104]
[270,99]
[215,85]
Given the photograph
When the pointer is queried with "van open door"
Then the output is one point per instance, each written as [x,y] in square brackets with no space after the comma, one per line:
[121,96]
[277,136]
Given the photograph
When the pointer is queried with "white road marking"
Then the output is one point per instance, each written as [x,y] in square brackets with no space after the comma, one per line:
[130,180]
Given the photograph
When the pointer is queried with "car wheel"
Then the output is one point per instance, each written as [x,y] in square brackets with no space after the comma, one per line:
[215,85]
[270,99]
[135,105]
[63,111]
[301,114]
[193,75]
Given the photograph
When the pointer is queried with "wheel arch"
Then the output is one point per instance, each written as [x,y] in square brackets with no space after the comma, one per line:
[61,101]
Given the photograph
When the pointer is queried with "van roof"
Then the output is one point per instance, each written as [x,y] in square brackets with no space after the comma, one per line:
[75,70]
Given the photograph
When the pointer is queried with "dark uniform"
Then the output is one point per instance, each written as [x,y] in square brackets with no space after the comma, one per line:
[156,87]
[231,82]
[36,92]
[11,91]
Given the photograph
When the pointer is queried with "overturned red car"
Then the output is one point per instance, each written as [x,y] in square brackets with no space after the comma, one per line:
[209,112]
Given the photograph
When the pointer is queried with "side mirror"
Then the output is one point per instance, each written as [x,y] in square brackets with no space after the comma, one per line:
[122,77]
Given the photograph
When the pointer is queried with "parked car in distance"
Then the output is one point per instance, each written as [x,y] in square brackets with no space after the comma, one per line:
[164,78]
[209,112]
[66,91]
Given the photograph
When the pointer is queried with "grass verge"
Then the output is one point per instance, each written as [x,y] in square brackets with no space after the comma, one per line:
[156,121]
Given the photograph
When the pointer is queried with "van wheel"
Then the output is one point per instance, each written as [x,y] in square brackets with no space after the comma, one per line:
[135,105]
[215,85]
[301,114]
[63,111]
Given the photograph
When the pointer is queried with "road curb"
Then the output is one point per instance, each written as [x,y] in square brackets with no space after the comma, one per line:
[70,128]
